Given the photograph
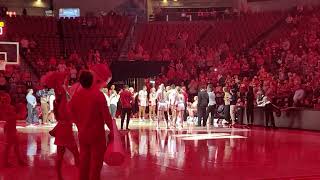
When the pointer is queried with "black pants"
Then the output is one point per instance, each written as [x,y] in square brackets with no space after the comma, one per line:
[268,109]
[211,110]
[227,113]
[166,116]
[185,114]
[202,116]
[239,114]
[124,112]
[250,115]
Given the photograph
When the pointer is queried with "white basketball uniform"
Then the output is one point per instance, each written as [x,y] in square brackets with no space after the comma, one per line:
[143,98]
[180,102]
[153,99]
[162,103]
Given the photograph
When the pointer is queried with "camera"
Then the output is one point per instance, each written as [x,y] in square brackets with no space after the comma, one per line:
[42,93]
[45,92]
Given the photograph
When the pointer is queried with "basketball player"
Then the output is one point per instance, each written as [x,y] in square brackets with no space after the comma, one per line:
[162,105]
[172,104]
[143,99]
[152,103]
[180,107]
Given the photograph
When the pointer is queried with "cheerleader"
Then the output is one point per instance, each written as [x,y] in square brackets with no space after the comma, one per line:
[10,116]
[64,138]
[180,107]
[152,103]
[162,105]
[63,133]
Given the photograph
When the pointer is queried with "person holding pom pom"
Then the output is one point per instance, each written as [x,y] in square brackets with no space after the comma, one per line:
[90,111]
[10,132]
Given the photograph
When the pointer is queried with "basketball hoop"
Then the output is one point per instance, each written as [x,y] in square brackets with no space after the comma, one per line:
[3,65]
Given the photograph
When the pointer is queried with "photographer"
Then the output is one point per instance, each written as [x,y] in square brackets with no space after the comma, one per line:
[51,98]
[44,101]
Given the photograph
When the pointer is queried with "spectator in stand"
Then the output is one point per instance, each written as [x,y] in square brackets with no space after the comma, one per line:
[193,86]
[74,57]
[91,56]
[62,67]
[24,42]
[289,19]
[146,56]
[52,63]
[97,58]
[32,44]
[3,82]
[73,74]
[105,45]
[24,12]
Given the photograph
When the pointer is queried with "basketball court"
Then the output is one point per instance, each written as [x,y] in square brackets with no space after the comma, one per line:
[189,153]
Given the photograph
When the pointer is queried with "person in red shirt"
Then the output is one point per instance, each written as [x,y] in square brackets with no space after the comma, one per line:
[90,113]
[126,101]
[185,94]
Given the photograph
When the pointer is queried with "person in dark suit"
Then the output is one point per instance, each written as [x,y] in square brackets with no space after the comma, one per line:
[249,106]
[203,101]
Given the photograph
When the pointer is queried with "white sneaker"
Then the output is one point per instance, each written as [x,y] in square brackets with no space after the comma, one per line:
[30,126]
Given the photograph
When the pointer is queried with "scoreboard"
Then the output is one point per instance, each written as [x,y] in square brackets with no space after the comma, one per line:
[1,27]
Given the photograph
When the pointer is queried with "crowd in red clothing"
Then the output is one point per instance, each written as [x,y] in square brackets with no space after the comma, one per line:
[278,66]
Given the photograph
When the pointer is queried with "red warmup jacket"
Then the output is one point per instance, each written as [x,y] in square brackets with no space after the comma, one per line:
[185,97]
[126,99]
[90,112]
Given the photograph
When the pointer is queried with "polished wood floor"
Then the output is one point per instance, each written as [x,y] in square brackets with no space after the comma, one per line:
[188,153]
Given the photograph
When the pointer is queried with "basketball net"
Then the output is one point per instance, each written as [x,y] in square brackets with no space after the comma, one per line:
[2,65]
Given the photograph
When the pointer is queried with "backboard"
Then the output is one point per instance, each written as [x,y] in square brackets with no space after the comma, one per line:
[9,52]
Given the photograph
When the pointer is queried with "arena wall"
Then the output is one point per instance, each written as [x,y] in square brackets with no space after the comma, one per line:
[273,5]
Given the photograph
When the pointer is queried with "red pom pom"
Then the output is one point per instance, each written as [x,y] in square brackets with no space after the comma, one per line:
[114,155]
[53,80]
[102,72]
